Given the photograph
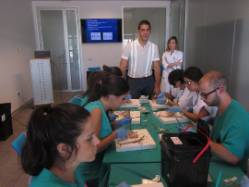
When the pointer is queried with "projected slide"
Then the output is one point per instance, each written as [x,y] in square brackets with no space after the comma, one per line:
[101,30]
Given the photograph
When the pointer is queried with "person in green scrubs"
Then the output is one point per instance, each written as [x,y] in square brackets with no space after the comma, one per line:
[230,135]
[112,91]
[59,138]
[90,94]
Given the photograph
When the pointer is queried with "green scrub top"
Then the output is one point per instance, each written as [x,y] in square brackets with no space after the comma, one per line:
[106,128]
[96,170]
[231,129]
[49,179]
[78,100]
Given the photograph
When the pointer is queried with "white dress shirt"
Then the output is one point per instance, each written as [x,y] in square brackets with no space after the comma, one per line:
[140,58]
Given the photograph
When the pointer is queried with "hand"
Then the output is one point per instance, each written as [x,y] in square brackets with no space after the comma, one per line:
[161,95]
[112,116]
[122,133]
[174,109]
[123,184]
[124,122]
[160,99]
[171,65]
[178,63]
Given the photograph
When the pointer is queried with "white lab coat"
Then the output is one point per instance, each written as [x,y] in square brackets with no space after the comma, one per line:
[169,58]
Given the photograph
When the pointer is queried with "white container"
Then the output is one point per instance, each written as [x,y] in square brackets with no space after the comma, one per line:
[41,81]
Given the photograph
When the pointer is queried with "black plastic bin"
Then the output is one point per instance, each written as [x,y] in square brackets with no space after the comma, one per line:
[177,167]
[5,121]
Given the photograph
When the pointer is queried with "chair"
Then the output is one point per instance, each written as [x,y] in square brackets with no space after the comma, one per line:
[77,100]
[18,143]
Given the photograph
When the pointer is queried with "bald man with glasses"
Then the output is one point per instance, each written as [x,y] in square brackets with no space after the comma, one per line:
[230,134]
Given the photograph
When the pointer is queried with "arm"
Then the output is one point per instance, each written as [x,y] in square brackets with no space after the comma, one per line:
[196,116]
[123,66]
[166,64]
[106,141]
[171,65]
[179,59]
[223,153]
[157,72]
[169,96]
[96,120]
[125,59]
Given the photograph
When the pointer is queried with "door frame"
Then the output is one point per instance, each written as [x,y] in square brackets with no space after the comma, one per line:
[36,8]
[167,18]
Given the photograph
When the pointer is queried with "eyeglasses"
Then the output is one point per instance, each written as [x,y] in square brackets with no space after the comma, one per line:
[205,95]
[187,81]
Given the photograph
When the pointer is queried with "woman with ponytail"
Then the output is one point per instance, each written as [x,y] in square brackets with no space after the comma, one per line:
[90,94]
[58,139]
[112,91]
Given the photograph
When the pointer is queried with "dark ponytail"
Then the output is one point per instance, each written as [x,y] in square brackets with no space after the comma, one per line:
[49,126]
[92,84]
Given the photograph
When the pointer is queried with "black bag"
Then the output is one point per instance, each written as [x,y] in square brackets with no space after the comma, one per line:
[5,121]
[178,168]
[202,127]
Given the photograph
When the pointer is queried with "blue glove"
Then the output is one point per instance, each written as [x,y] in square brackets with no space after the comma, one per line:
[244,182]
[174,109]
[123,184]
[160,99]
[112,116]
[122,133]
[123,122]
[161,95]
[128,96]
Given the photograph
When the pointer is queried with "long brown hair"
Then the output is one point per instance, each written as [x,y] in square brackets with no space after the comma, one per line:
[169,40]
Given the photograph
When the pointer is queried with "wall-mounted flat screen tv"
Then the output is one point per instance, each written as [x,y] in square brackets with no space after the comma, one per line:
[101,30]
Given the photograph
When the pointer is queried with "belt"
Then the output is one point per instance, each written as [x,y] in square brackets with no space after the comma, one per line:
[140,77]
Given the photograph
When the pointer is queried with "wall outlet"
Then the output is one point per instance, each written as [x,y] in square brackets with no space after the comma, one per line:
[3,117]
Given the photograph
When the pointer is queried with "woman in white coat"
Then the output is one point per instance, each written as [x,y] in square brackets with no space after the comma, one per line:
[172,59]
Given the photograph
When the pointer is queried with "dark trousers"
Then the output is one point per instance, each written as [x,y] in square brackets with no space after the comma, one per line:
[141,86]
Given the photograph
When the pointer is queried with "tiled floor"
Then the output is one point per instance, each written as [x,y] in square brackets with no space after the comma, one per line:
[11,174]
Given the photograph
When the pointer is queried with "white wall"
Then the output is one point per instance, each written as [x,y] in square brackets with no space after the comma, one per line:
[99,54]
[217,38]
[241,52]
[16,49]
[177,21]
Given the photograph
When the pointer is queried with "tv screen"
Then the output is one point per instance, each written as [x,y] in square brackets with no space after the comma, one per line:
[101,30]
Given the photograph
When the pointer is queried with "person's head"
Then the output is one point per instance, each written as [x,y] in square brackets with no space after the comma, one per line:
[113,70]
[212,86]
[113,90]
[176,78]
[92,81]
[192,75]
[172,44]
[58,136]
[144,30]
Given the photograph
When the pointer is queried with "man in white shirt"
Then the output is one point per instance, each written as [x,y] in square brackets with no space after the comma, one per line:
[140,57]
